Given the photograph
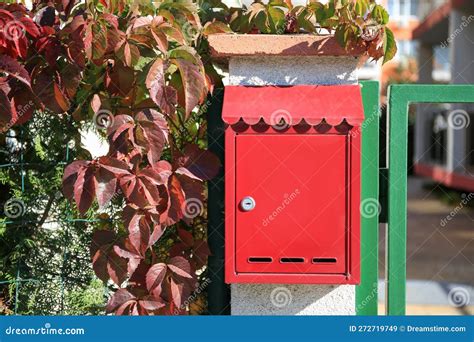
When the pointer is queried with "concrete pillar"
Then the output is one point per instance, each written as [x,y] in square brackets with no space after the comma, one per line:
[280,299]
[461,39]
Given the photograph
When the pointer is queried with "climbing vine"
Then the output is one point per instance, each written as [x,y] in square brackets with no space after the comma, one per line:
[354,23]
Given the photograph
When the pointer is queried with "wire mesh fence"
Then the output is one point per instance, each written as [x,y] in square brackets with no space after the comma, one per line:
[44,245]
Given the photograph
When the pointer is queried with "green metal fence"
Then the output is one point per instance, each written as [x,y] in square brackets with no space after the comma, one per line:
[54,270]
[392,194]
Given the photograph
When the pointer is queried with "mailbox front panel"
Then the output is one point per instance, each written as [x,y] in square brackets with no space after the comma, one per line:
[292,184]
[295,217]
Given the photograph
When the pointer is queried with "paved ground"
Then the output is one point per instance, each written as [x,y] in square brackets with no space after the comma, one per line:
[440,255]
[429,297]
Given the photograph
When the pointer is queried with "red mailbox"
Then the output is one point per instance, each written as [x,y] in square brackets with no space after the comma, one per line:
[292,173]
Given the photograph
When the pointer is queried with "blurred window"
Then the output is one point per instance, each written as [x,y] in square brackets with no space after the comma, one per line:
[438,139]
[441,58]
[402,9]
[407,48]
[391,7]
[414,7]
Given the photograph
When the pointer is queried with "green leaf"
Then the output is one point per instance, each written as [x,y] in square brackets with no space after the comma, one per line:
[314,5]
[380,15]
[342,35]
[276,18]
[277,3]
[41,153]
[304,22]
[361,7]
[389,45]
[216,27]
[324,13]
[261,22]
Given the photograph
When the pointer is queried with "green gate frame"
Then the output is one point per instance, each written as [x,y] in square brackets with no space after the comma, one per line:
[395,181]
[399,99]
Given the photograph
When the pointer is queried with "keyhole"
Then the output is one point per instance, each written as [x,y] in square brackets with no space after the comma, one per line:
[247,203]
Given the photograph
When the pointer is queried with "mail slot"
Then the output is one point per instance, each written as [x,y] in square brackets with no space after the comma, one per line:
[292,166]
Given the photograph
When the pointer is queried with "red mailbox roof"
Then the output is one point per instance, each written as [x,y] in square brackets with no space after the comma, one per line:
[311,103]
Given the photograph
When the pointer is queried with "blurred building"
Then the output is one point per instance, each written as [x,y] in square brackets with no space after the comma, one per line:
[444,135]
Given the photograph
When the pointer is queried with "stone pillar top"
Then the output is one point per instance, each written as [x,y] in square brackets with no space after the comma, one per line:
[224,46]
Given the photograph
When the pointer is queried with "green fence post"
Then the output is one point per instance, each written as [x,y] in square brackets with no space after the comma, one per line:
[366,292]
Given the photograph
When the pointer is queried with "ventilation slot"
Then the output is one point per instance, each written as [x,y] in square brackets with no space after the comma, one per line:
[260,260]
[324,260]
[291,260]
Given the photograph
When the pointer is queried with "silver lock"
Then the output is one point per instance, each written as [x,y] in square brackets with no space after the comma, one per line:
[247,203]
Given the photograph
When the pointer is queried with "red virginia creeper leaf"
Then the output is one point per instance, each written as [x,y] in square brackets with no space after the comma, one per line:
[194,84]
[186,237]
[84,189]
[105,261]
[119,298]
[106,184]
[151,303]
[177,292]
[164,96]
[14,69]
[6,113]
[70,177]
[155,276]
[176,201]
[119,80]
[202,163]
[180,266]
